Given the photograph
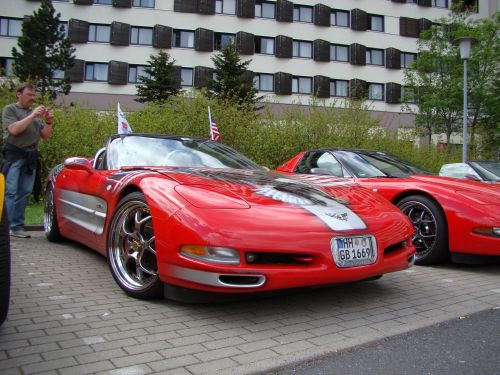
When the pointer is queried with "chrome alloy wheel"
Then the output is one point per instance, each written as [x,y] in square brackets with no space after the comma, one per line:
[424,224]
[49,210]
[131,252]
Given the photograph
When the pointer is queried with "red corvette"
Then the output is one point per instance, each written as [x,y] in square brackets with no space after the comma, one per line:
[450,216]
[183,216]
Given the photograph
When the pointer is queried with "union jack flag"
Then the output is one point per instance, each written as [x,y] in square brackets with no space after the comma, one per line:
[214,131]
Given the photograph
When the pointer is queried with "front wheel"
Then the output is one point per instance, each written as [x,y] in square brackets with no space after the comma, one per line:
[131,248]
[50,225]
[431,230]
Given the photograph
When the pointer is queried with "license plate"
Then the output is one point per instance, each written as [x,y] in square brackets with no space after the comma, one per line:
[353,251]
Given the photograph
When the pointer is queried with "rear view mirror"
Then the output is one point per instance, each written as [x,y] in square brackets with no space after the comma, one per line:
[78,163]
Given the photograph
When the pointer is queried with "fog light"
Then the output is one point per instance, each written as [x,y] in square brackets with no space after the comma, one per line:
[211,254]
[487,231]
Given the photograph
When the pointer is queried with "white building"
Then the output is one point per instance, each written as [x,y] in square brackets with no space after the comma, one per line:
[328,47]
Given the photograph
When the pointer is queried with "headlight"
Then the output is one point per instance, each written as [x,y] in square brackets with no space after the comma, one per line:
[487,231]
[211,254]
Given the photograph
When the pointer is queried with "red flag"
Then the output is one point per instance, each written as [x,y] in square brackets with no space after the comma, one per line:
[214,131]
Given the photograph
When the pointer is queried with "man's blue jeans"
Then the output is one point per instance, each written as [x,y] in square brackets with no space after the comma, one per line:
[18,187]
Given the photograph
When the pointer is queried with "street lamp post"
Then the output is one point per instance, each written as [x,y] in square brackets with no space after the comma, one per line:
[465,44]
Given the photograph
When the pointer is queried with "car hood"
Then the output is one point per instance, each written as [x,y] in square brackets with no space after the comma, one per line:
[341,204]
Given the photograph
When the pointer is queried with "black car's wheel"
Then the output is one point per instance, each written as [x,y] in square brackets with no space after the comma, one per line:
[431,231]
[4,267]
[49,216]
[131,248]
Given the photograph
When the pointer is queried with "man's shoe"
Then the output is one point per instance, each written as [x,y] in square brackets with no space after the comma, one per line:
[20,233]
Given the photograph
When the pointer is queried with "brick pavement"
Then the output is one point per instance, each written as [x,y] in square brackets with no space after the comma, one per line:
[67,316]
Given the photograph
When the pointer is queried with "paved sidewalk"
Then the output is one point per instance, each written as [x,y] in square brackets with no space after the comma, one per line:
[67,316]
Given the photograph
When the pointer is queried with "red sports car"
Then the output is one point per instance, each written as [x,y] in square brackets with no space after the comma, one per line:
[183,216]
[450,216]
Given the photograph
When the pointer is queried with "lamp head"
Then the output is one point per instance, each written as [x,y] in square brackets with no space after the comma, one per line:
[465,43]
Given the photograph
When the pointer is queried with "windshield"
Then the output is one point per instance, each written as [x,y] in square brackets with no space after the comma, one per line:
[130,151]
[490,170]
[378,164]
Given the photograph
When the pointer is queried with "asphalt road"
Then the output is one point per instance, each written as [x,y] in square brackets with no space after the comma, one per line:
[469,345]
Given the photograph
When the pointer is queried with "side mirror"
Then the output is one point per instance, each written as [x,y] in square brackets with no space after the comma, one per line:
[471,177]
[76,163]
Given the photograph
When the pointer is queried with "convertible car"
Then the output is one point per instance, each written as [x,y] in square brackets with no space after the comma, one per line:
[450,216]
[186,217]
[485,171]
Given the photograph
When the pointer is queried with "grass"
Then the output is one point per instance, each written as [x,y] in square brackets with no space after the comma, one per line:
[34,213]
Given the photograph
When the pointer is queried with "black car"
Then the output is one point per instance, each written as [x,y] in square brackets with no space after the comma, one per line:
[4,257]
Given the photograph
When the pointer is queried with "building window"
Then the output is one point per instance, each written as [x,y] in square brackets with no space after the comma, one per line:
[187,77]
[407,95]
[339,18]
[374,56]
[225,6]
[141,35]
[302,49]
[264,45]
[339,52]
[106,2]
[6,66]
[183,38]
[264,9]
[144,3]
[58,74]
[440,3]
[301,85]
[375,23]
[264,82]
[10,27]
[407,59]
[96,72]
[375,91]
[99,33]
[339,88]
[135,72]
[220,40]
[302,13]
[411,1]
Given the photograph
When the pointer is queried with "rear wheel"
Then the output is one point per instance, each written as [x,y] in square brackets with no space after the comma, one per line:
[431,230]
[49,217]
[4,267]
[131,248]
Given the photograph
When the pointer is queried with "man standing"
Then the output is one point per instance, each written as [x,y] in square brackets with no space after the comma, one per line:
[22,129]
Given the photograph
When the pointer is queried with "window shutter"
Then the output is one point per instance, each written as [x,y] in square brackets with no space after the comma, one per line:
[424,24]
[283,83]
[321,86]
[162,36]
[393,93]
[408,27]
[120,34]
[322,15]
[117,72]
[424,3]
[186,6]
[358,54]
[358,89]
[78,31]
[392,58]
[284,46]
[206,6]
[122,3]
[245,43]
[359,20]
[76,72]
[247,76]
[203,40]
[202,75]
[176,74]
[321,50]
[284,11]
[245,8]
[83,2]
[398,1]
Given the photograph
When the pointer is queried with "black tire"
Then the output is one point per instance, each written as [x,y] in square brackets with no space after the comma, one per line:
[131,248]
[50,225]
[4,267]
[431,229]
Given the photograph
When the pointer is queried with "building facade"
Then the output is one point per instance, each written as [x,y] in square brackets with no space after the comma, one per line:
[333,49]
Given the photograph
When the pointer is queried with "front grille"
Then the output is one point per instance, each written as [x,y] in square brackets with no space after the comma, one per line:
[278,258]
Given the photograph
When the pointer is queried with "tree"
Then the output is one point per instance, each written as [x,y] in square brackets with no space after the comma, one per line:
[436,77]
[234,82]
[160,80]
[44,51]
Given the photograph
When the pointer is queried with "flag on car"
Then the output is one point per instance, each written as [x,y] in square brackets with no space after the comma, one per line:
[214,131]
[123,125]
